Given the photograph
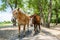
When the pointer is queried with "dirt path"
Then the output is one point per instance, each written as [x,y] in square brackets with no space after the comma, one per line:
[11,33]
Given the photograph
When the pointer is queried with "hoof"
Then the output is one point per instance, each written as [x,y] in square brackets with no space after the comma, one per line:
[18,35]
[31,25]
[39,31]
[28,30]
[24,35]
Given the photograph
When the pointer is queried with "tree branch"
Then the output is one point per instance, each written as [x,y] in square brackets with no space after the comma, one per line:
[10,5]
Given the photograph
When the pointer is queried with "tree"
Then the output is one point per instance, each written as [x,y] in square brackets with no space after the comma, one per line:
[49,13]
[56,10]
[45,8]
[41,11]
[12,4]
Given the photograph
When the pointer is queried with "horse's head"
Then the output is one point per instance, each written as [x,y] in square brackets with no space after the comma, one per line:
[15,13]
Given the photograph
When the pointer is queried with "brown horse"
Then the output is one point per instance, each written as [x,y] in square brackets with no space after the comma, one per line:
[36,22]
[21,18]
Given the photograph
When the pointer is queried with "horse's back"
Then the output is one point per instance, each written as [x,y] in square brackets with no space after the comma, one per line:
[36,19]
[23,19]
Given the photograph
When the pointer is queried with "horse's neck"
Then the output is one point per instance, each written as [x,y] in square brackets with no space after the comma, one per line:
[21,15]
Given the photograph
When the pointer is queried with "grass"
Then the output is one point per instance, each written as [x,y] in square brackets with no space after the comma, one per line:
[5,23]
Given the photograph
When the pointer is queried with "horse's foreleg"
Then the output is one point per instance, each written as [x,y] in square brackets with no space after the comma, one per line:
[19,30]
[28,27]
[24,29]
[34,28]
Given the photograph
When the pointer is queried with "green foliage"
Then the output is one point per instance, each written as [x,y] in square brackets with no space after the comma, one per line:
[33,6]
[54,20]
[10,3]
[5,22]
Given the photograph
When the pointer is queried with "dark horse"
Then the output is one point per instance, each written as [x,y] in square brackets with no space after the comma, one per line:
[21,18]
[36,22]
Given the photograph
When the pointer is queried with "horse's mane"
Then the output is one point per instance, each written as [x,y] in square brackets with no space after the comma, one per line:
[22,13]
[20,9]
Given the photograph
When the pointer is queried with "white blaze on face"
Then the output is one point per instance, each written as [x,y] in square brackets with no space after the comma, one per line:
[15,13]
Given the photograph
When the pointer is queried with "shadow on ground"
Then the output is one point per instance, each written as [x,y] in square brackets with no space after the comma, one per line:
[6,26]
[13,34]
[28,34]
[48,33]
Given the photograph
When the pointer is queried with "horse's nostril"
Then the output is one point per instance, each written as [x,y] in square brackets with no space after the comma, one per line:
[31,25]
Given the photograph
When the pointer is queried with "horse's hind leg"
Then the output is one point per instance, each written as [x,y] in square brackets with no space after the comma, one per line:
[19,30]
[39,28]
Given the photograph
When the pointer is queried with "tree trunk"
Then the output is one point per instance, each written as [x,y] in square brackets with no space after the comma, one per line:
[41,12]
[10,5]
[14,24]
[15,3]
[56,18]
[49,14]
[14,20]
[56,13]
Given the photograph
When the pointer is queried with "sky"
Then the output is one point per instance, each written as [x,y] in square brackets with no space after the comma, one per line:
[5,15]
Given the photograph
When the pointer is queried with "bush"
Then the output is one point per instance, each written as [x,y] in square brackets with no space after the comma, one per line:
[54,20]
[58,20]
[5,22]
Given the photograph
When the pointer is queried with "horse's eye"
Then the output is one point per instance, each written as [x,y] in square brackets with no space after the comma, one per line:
[16,13]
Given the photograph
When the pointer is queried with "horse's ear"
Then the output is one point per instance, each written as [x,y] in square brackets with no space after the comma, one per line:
[18,9]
